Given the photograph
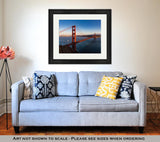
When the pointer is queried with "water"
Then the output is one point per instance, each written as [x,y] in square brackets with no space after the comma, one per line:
[89,46]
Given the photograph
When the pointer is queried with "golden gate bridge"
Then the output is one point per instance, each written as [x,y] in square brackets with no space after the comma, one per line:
[74,41]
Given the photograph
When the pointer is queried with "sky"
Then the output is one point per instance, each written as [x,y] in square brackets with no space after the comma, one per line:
[82,26]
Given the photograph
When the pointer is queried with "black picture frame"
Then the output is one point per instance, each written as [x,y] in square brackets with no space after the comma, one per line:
[51,59]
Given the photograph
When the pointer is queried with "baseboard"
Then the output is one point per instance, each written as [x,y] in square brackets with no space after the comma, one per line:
[150,109]
[3,106]
[2,101]
[2,110]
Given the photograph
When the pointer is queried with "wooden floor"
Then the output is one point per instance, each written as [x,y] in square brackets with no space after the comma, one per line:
[152,128]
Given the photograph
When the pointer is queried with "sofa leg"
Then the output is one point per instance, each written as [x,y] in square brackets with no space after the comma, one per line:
[16,129]
[141,129]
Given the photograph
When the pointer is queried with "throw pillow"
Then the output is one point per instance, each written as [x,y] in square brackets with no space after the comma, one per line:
[43,86]
[109,87]
[125,90]
[28,90]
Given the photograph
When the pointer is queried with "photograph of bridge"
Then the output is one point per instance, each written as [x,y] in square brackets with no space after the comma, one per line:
[80,36]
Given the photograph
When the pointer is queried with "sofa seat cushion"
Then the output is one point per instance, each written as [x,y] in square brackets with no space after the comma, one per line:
[99,104]
[50,104]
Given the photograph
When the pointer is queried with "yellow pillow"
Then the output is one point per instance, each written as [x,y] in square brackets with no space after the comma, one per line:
[109,87]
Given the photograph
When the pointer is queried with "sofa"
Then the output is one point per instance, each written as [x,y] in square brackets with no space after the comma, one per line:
[75,104]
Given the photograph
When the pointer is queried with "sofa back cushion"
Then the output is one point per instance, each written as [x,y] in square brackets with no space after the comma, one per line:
[89,81]
[66,82]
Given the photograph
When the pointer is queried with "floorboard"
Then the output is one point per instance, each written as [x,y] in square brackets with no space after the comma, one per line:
[152,128]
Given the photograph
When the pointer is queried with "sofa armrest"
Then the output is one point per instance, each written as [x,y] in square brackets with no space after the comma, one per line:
[139,91]
[17,96]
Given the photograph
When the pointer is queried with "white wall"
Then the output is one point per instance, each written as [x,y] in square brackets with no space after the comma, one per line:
[1,21]
[135,36]
[0,46]
[1,43]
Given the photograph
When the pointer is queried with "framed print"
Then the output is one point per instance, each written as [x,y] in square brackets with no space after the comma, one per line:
[79,36]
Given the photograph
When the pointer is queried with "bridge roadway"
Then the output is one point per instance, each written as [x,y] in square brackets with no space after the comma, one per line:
[81,40]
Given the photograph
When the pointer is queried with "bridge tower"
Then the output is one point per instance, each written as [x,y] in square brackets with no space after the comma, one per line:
[74,37]
[94,35]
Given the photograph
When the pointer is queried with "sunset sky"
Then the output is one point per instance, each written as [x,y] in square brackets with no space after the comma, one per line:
[82,27]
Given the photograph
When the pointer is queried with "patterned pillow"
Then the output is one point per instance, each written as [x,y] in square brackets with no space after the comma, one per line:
[125,90]
[43,86]
[109,87]
[28,89]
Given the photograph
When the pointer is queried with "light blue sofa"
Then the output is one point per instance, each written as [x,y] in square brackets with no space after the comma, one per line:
[76,105]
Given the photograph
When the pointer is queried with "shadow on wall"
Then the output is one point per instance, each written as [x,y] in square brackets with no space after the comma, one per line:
[20,67]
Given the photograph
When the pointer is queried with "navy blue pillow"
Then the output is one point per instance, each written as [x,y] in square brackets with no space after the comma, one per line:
[125,90]
[43,86]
